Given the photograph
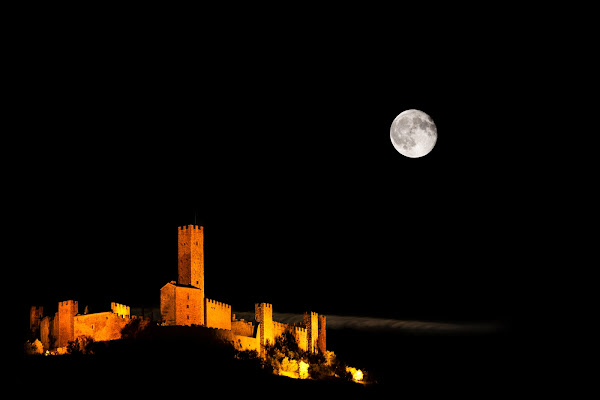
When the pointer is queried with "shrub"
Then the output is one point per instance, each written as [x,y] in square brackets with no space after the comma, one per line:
[34,348]
[83,345]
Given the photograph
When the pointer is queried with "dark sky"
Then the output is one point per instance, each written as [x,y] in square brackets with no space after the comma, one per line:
[282,150]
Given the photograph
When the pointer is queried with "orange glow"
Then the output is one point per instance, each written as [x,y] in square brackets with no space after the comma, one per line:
[293,369]
[303,370]
[357,374]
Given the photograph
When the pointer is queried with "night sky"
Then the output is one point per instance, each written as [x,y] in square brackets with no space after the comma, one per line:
[282,153]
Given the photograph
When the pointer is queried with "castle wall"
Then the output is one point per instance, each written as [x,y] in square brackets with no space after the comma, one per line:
[241,327]
[217,314]
[242,343]
[301,337]
[299,333]
[100,326]
[278,329]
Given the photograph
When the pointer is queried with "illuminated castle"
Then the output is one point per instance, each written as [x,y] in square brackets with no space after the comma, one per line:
[182,302]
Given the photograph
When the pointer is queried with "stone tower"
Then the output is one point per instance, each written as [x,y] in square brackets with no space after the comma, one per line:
[66,321]
[182,302]
[35,316]
[263,315]
[190,253]
[310,320]
[322,338]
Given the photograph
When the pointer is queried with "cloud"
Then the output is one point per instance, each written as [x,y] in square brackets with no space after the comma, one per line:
[368,323]
[376,324]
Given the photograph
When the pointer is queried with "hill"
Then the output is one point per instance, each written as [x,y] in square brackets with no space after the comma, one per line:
[165,361]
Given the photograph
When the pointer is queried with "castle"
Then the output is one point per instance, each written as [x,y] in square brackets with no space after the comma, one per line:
[182,302]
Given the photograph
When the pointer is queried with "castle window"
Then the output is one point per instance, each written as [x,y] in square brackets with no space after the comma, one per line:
[187,306]
[188,317]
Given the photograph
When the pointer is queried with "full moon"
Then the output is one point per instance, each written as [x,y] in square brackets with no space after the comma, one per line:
[413,133]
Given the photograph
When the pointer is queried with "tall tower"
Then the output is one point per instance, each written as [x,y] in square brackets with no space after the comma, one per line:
[182,302]
[191,256]
[311,322]
[66,319]
[322,335]
[35,316]
[263,315]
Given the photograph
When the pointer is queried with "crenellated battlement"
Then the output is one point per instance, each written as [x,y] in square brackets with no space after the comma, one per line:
[300,329]
[264,305]
[280,325]
[217,304]
[190,227]
[120,309]
[217,314]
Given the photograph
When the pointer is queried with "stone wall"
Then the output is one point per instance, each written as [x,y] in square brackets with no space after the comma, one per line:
[100,326]
[241,327]
[242,343]
[278,329]
[217,314]
[301,337]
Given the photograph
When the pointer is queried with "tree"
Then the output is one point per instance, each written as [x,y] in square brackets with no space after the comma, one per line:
[34,348]
[82,345]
